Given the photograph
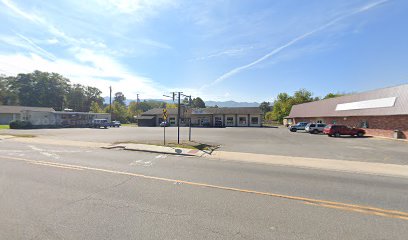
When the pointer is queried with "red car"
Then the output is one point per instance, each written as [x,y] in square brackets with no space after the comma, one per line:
[338,130]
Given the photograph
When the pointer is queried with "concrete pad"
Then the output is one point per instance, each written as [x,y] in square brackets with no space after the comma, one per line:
[159,149]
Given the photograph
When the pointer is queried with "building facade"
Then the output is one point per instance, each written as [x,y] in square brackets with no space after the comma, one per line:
[208,117]
[48,117]
[380,112]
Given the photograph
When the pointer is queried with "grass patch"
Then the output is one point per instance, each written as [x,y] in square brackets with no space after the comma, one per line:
[20,135]
[129,125]
[4,127]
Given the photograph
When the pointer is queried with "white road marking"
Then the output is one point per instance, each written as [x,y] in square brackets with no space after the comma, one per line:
[141,163]
[44,152]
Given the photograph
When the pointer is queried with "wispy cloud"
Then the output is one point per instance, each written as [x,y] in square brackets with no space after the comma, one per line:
[294,41]
[227,52]
[89,61]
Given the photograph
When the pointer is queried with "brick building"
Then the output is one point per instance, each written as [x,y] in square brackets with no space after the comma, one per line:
[380,112]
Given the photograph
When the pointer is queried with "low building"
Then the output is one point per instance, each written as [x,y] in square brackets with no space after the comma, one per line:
[226,117]
[10,113]
[381,112]
[48,117]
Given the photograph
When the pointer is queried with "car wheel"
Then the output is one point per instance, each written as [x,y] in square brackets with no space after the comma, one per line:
[315,131]
[329,135]
[337,134]
[360,134]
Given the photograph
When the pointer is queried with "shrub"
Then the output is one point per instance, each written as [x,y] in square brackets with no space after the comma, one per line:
[17,124]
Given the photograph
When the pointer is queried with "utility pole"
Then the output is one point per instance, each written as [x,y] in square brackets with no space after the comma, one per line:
[110,102]
[178,119]
[178,112]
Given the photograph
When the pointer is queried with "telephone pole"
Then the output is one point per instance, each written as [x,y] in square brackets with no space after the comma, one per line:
[178,112]
[110,102]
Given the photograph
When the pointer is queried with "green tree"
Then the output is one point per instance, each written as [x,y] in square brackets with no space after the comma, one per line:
[95,107]
[265,107]
[198,103]
[120,98]
[333,95]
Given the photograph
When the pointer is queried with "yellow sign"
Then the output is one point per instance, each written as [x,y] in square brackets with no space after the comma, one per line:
[164,114]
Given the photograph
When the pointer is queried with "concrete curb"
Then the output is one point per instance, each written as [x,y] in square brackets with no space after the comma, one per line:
[158,149]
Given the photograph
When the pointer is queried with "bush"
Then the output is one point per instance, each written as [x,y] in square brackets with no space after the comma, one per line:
[17,124]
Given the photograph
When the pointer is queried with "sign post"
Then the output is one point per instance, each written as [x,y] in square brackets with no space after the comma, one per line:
[164,127]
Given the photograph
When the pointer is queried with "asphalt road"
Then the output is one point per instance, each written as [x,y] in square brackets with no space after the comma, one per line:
[56,192]
[252,140]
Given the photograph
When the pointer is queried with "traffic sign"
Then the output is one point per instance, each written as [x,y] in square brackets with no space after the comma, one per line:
[165,114]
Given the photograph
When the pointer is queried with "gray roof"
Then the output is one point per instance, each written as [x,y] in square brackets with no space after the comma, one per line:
[18,109]
[145,117]
[381,102]
[230,110]
[158,111]
[209,111]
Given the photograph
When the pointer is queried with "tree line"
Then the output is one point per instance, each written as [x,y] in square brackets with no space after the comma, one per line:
[283,103]
[43,89]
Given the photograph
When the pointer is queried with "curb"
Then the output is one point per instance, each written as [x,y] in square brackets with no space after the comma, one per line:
[171,151]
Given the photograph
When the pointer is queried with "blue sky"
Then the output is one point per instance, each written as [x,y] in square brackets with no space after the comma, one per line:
[219,49]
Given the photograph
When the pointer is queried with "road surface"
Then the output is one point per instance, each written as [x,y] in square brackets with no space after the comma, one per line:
[59,192]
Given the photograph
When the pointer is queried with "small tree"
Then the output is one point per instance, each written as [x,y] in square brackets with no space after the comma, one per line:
[265,107]
[95,107]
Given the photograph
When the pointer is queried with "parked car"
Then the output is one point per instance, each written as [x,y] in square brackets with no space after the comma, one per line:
[315,128]
[98,123]
[298,126]
[164,124]
[115,124]
[338,130]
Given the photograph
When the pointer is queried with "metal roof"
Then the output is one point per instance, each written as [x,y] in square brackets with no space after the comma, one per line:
[380,102]
[158,111]
[145,117]
[18,109]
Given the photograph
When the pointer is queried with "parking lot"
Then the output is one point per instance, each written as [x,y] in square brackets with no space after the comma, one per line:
[274,141]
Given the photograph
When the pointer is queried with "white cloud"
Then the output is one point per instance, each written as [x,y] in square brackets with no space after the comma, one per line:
[292,42]
[102,73]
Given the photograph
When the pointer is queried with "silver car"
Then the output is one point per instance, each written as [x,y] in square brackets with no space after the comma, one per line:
[315,127]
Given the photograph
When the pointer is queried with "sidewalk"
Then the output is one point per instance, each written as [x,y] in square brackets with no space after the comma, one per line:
[381,169]
[361,167]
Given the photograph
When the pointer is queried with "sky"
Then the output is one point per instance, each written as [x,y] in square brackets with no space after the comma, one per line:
[218,50]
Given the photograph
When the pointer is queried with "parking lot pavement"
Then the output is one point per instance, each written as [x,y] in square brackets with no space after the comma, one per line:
[275,141]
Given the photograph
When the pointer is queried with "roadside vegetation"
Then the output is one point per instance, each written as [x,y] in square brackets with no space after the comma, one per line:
[4,127]
[280,108]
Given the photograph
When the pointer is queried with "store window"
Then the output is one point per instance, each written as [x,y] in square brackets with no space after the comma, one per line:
[254,120]
[242,120]
[230,120]
[172,121]
[364,124]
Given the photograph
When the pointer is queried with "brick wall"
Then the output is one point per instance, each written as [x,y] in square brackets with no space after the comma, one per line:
[377,125]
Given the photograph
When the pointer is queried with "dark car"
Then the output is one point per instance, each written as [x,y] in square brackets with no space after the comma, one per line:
[338,130]
[115,124]
[98,123]
[298,126]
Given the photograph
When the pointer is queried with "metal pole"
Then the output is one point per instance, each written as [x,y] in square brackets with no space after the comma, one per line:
[110,102]
[164,139]
[189,130]
[178,119]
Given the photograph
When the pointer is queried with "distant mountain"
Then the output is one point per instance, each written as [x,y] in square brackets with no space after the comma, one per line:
[207,103]
[231,104]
